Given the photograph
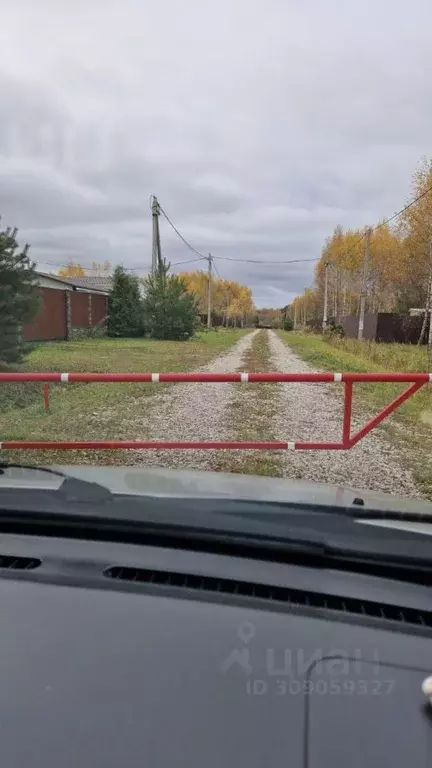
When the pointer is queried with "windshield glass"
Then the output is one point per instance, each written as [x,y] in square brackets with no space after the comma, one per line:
[228,209]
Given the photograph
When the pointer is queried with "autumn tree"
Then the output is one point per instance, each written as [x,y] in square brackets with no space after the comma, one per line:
[343,257]
[100,268]
[72,269]
[196,282]
[269,317]
[384,276]
[241,305]
[231,301]
[400,261]
[415,230]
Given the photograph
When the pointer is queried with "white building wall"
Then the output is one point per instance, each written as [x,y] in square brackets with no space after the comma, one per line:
[48,282]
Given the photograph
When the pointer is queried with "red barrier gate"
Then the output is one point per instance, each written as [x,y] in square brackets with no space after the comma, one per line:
[416,381]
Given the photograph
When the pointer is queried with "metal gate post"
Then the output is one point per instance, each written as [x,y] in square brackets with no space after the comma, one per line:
[346,428]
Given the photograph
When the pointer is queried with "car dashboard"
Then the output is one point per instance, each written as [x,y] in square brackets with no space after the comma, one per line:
[117,654]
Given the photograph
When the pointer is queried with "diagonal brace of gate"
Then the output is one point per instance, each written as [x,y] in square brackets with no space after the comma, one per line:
[416,381]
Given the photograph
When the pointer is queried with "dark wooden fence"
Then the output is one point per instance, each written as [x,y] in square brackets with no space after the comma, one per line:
[61,311]
[50,324]
[386,327]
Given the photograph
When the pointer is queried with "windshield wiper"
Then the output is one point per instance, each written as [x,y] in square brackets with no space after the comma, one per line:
[31,468]
[71,488]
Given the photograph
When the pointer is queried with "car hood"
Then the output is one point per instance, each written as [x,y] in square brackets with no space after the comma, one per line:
[199,484]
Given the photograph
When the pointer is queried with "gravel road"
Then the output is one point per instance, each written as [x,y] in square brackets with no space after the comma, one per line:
[191,412]
[314,412]
[303,412]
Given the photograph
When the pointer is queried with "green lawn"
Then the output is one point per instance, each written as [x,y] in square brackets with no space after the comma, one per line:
[355,356]
[410,426]
[93,411]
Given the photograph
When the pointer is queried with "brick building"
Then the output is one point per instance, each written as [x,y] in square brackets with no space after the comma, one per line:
[67,305]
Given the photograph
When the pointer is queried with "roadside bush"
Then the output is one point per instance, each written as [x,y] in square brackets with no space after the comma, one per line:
[334,330]
[202,329]
[276,323]
[94,332]
[288,324]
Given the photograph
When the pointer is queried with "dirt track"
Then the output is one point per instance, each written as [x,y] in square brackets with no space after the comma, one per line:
[314,412]
[303,411]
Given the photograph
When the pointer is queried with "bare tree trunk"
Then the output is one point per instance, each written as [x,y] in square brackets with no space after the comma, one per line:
[429,343]
[427,311]
[423,328]
[344,302]
[337,294]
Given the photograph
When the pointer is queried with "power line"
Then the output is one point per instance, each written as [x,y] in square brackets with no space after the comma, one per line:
[86,269]
[227,258]
[390,218]
[176,263]
[201,255]
[103,273]
[189,261]
[216,270]
[301,261]
[262,261]
[244,261]
[368,231]
[405,208]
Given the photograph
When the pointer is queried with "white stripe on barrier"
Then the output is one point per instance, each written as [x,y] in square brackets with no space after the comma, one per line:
[430,377]
[291,446]
[155,378]
[337,377]
[64,378]
[244,377]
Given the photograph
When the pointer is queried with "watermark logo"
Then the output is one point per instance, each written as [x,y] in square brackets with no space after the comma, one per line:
[240,657]
[286,670]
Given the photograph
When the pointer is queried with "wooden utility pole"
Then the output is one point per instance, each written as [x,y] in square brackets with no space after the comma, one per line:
[209,290]
[364,285]
[156,246]
[326,269]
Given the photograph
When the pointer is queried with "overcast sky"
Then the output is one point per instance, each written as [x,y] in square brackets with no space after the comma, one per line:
[259,124]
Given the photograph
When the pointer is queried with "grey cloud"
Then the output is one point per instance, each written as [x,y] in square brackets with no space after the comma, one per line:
[260,127]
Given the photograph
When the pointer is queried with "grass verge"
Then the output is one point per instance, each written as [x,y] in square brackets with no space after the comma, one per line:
[409,427]
[250,416]
[94,411]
